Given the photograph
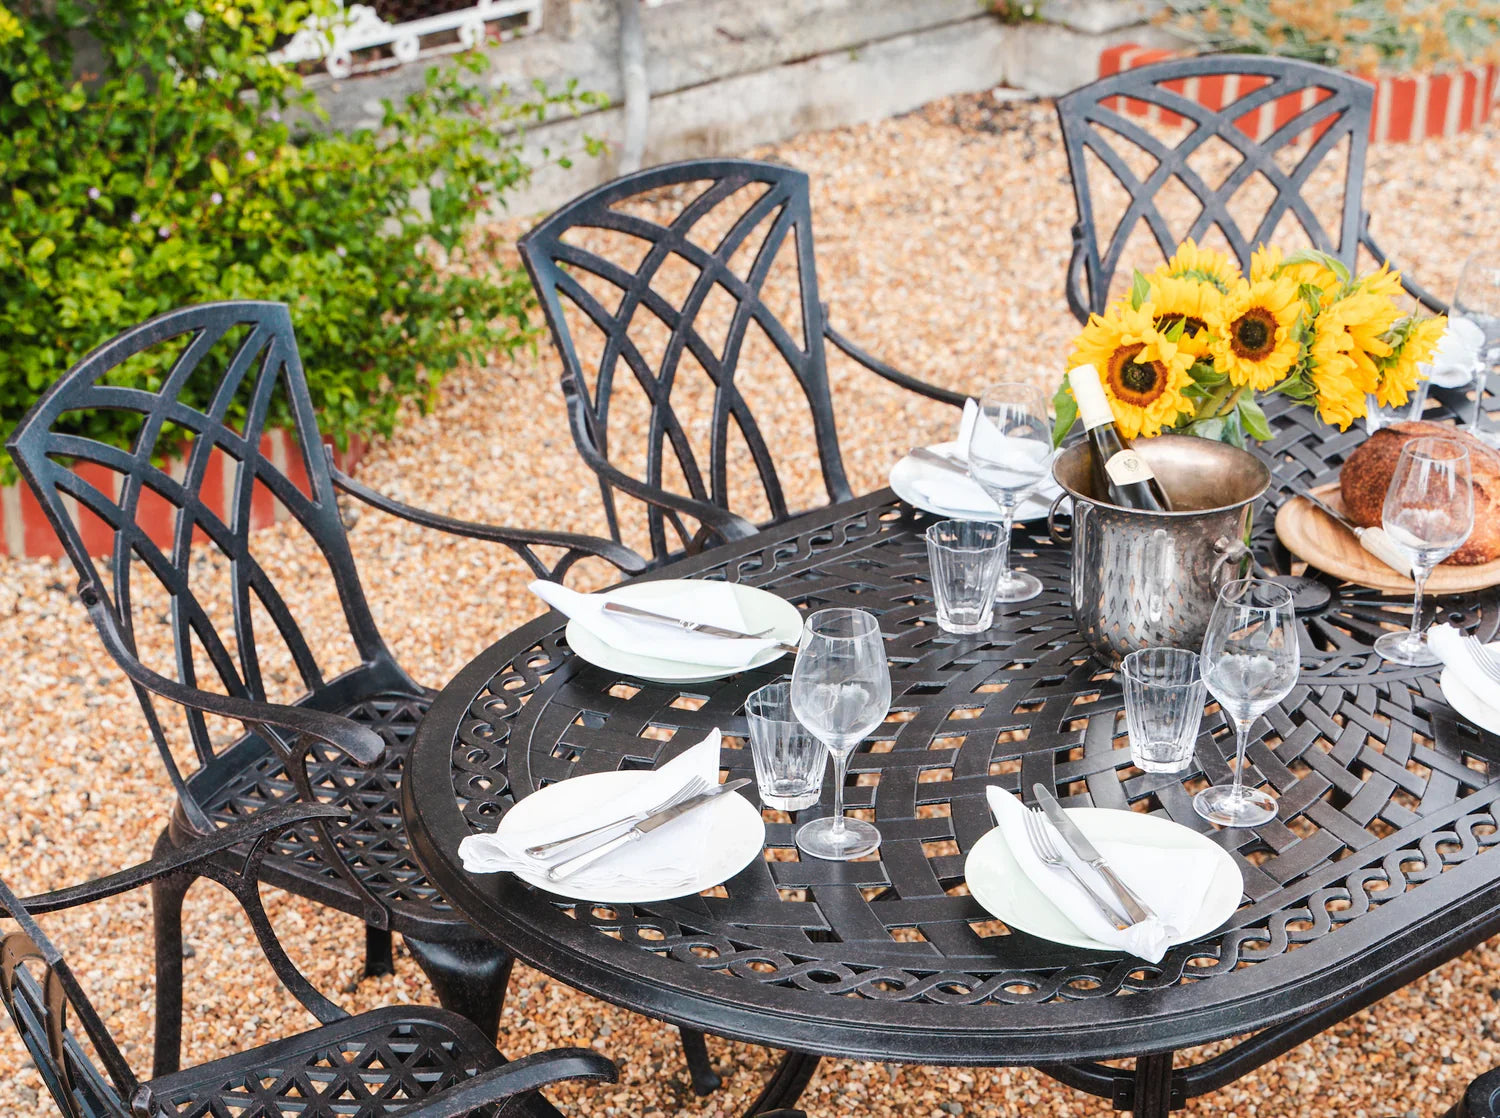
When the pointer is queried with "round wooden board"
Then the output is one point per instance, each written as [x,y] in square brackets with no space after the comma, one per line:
[1315,537]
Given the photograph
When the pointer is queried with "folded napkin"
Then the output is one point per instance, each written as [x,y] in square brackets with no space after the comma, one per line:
[955,492]
[712,603]
[1173,883]
[663,859]
[1447,644]
[1457,354]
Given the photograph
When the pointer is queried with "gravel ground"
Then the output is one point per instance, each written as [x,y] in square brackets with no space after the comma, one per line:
[943,237]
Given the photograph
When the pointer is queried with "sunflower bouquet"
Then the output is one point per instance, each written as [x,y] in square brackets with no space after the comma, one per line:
[1195,341]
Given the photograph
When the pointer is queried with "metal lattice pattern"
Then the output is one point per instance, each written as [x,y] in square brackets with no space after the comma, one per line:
[1330,108]
[1382,790]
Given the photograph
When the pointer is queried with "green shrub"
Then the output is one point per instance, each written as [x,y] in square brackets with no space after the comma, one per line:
[190,169]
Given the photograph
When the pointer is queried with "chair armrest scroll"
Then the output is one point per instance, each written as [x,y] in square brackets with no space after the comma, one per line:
[514,1078]
[887,372]
[1073,284]
[359,743]
[519,540]
[1413,288]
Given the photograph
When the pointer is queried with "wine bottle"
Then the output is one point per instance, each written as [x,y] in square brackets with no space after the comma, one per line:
[1121,475]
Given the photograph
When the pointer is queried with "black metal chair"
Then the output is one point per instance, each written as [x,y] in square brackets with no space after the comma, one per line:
[737,218]
[1481,1100]
[344,741]
[1087,114]
[396,1062]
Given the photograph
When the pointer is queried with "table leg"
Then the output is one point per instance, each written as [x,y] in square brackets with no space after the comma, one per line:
[787,1083]
[1153,1086]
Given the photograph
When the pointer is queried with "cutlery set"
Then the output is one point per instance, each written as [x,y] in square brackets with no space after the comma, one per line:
[1124,908]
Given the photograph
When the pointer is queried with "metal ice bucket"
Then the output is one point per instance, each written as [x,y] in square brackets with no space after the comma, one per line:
[1151,578]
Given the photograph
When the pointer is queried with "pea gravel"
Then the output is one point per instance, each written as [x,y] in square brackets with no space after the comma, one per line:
[942,241]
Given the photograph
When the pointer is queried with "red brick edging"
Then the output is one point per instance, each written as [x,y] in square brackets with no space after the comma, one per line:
[26,531]
[1406,108]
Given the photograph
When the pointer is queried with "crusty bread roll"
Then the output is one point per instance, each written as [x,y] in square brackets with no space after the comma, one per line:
[1367,474]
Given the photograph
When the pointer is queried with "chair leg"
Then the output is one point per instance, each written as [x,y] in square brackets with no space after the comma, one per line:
[700,1070]
[379,957]
[166,916]
[469,976]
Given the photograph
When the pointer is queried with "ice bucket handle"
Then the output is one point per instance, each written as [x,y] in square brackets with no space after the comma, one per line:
[1230,551]
[1052,529]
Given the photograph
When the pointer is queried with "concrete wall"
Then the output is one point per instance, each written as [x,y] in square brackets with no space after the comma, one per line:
[726,75]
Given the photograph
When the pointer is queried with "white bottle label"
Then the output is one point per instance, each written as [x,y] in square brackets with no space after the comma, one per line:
[1127,468]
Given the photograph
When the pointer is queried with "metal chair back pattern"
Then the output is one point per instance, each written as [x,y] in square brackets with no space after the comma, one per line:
[258,366]
[1313,103]
[563,273]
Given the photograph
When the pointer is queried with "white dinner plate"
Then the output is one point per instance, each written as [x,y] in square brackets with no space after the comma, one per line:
[761,609]
[998,883]
[903,481]
[1461,698]
[738,834]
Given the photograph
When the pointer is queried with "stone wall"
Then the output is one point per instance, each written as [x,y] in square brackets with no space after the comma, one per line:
[726,75]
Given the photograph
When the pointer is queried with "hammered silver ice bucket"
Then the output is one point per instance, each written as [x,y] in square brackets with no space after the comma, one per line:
[1151,578]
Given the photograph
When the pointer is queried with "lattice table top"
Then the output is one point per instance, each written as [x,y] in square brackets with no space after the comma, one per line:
[1376,864]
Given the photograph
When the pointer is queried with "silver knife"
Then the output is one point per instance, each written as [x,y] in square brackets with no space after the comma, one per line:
[1373,540]
[641,829]
[935,458]
[690,626]
[1135,908]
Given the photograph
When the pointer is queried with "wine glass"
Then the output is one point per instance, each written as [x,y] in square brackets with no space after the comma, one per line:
[1010,452]
[1477,299]
[1250,663]
[841,690]
[1429,513]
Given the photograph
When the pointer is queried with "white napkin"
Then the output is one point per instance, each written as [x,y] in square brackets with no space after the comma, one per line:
[1457,354]
[713,603]
[1173,883]
[944,489]
[660,860]
[1447,644]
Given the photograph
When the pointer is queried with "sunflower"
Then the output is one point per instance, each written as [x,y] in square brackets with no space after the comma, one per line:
[1400,374]
[1188,302]
[1255,343]
[1333,372]
[1143,371]
[1267,263]
[1201,264]
[1368,315]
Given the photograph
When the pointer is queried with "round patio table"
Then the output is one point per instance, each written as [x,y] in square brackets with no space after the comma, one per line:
[1378,867]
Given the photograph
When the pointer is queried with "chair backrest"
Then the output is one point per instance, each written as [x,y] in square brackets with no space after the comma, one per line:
[679,273]
[1262,107]
[203,382]
[40,1002]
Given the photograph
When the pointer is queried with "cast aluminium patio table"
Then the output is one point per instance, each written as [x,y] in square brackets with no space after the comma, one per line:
[1379,867]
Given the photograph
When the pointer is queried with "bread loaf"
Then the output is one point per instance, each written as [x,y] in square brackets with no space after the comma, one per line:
[1367,474]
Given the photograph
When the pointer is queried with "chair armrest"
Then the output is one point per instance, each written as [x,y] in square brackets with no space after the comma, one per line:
[1073,283]
[519,540]
[1422,295]
[514,1078]
[895,376]
[360,743]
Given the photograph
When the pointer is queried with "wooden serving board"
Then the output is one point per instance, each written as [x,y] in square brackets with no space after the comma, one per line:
[1312,535]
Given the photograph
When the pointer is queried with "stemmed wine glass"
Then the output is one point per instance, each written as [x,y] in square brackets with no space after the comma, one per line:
[1010,451]
[1250,663]
[841,690]
[1477,299]
[1429,513]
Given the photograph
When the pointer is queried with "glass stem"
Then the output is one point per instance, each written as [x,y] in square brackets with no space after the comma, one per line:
[1481,381]
[1419,576]
[1241,744]
[840,766]
[1007,522]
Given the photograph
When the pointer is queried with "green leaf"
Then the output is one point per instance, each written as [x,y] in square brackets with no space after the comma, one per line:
[219,172]
[1206,375]
[1067,413]
[1210,428]
[1140,287]
[1254,420]
[24,93]
[40,249]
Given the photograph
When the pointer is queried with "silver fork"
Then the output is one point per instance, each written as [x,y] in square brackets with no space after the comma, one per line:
[1484,658]
[1041,844]
[692,788]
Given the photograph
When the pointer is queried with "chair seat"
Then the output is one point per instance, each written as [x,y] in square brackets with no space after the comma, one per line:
[249,777]
[373,1064]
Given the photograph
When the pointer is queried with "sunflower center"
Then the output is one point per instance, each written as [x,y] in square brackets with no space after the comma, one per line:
[1253,335]
[1136,382]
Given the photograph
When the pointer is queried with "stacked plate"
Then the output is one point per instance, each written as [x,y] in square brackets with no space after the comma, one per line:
[947,493]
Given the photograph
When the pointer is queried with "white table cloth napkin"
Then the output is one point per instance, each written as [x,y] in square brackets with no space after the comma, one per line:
[1173,883]
[957,492]
[1457,355]
[1448,645]
[662,859]
[713,603]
